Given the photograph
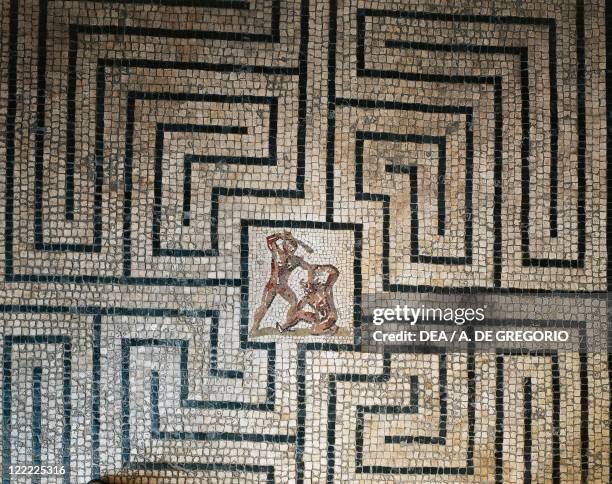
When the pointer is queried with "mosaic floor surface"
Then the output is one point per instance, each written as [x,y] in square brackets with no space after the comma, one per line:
[203,204]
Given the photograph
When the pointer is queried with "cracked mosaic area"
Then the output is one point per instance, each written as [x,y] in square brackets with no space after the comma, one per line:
[202,203]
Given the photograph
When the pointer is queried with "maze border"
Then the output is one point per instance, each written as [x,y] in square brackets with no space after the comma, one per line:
[304,348]
[11,113]
[98,312]
[134,96]
[300,71]
[96,326]
[74,31]
[386,199]
[333,100]
[161,130]
[84,279]
[522,53]
[452,470]
[608,81]
[7,366]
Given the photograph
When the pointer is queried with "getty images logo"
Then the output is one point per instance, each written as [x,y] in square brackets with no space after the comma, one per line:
[413,315]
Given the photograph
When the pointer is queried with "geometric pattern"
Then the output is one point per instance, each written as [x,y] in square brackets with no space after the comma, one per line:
[435,154]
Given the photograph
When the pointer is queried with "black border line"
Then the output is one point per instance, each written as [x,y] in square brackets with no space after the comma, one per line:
[36,421]
[556,404]
[331,112]
[527,417]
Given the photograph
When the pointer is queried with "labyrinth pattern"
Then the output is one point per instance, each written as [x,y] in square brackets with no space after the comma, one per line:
[433,154]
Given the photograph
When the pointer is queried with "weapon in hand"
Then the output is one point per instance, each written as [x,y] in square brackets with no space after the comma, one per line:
[287,235]
[306,247]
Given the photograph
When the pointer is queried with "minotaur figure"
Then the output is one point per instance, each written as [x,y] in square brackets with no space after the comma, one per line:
[283,246]
[318,294]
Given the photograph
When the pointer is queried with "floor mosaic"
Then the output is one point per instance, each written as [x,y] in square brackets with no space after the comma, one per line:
[203,203]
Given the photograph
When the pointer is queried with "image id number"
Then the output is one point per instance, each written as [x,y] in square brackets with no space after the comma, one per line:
[37,470]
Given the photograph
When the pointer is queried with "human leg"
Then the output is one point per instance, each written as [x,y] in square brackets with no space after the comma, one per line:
[266,301]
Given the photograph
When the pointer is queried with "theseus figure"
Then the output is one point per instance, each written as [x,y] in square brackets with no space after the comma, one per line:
[283,246]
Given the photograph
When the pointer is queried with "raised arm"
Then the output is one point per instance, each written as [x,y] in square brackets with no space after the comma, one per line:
[271,240]
[305,246]
[304,265]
